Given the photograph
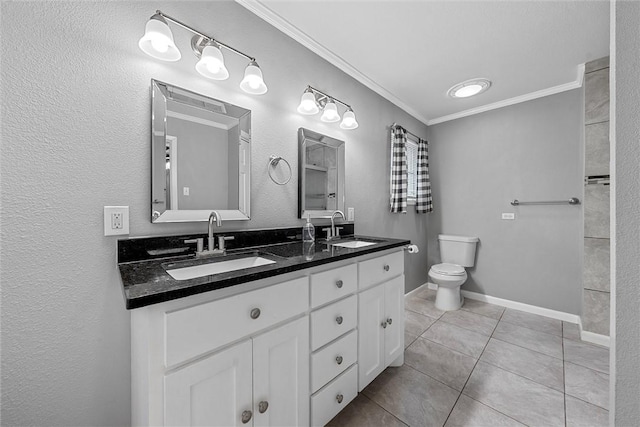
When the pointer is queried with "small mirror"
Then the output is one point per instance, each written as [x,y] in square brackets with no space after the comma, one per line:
[321,174]
[200,156]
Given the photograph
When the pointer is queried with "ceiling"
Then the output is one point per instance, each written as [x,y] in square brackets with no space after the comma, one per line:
[412,52]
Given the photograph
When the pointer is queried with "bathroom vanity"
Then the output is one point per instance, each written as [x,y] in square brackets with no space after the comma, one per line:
[290,342]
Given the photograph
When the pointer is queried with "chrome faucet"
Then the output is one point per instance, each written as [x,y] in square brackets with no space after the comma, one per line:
[213,216]
[333,225]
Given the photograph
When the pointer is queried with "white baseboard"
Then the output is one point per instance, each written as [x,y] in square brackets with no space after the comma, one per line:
[602,340]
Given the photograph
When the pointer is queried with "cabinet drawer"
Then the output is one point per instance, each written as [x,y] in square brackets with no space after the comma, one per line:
[381,269]
[330,322]
[329,362]
[195,330]
[332,399]
[333,284]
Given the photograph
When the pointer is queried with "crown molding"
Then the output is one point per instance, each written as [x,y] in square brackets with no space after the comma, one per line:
[515,100]
[295,33]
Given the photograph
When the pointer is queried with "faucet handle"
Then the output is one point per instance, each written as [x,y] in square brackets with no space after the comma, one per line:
[328,231]
[199,243]
[338,231]
[222,239]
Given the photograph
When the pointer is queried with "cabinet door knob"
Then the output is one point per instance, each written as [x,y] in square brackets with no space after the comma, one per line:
[339,398]
[389,320]
[246,416]
[339,360]
[384,325]
[263,406]
[339,284]
[386,267]
[339,320]
[255,313]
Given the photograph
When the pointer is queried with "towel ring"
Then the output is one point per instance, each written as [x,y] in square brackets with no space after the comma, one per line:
[273,161]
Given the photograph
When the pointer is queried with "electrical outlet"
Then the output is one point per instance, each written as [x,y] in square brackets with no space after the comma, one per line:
[185,191]
[508,215]
[116,220]
[351,214]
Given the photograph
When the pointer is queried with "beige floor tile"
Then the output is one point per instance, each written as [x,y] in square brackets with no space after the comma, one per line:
[550,345]
[416,323]
[456,338]
[533,321]
[470,321]
[362,412]
[408,339]
[583,414]
[570,331]
[588,355]
[587,385]
[483,308]
[439,362]
[538,367]
[411,396]
[422,306]
[471,413]
[519,398]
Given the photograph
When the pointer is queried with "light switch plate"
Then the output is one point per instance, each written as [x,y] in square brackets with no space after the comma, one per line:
[116,220]
[508,215]
[351,214]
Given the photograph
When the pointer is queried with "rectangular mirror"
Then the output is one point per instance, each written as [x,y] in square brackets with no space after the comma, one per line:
[321,179]
[200,156]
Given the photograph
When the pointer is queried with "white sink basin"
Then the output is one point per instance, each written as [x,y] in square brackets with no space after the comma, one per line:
[186,273]
[353,244]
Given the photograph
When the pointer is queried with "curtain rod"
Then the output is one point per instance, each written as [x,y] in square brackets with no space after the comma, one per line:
[410,133]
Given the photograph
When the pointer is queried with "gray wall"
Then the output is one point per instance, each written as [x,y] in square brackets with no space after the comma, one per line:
[626,357]
[75,137]
[528,151]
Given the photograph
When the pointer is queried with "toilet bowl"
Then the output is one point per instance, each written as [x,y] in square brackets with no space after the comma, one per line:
[456,252]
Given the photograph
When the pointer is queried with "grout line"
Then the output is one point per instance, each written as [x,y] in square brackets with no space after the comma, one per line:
[527,378]
[536,330]
[584,401]
[471,330]
[493,409]
[390,413]
[517,345]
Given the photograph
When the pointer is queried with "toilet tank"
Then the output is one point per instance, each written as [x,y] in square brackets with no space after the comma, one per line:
[459,250]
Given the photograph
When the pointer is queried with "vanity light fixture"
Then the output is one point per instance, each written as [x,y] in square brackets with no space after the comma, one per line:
[469,88]
[313,100]
[158,43]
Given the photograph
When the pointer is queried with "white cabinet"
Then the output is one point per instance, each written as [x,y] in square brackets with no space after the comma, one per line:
[263,381]
[380,325]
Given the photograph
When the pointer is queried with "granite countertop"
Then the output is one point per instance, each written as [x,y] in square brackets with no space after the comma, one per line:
[146,282]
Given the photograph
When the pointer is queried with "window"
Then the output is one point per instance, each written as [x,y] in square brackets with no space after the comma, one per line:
[412,169]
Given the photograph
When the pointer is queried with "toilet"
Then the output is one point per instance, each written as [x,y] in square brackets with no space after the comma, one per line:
[456,252]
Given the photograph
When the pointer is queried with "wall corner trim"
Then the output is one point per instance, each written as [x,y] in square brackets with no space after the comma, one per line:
[295,33]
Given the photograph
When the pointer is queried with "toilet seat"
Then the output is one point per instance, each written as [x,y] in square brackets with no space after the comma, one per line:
[447,269]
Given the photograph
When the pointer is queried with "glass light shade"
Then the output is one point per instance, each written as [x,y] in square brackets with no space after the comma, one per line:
[211,63]
[330,113]
[469,88]
[308,104]
[466,91]
[349,120]
[253,82]
[157,41]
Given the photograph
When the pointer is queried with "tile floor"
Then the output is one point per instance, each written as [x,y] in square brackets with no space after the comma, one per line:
[485,365]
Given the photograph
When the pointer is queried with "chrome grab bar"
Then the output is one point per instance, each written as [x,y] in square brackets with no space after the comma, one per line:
[571,201]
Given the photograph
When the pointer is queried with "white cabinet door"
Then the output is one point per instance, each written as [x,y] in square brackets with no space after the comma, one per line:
[370,335]
[214,391]
[394,312]
[281,376]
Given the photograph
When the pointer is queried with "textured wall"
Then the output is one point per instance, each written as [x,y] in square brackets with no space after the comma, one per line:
[529,151]
[75,137]
[627,214]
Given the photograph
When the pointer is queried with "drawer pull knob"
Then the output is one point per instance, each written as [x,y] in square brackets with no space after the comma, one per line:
[339,398]
[255,313]
[246,416]
[339,284]
[263,406]
[386,267]
[384,325]
[389,320]
[339,320]
[339,360]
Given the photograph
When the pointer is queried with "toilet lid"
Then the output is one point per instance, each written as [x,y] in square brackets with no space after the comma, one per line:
[448,269]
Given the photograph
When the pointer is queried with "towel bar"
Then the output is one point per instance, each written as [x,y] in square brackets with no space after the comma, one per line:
[571,201]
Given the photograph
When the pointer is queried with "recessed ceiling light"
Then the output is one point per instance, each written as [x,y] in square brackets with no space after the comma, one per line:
[469,88]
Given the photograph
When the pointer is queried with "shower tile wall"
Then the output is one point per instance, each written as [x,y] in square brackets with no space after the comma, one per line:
[595,306]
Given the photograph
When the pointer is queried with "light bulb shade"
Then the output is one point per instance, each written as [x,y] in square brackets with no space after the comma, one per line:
[330,113]
[349,120]
[253,82]
[308,104]
[211,63]
[157,41]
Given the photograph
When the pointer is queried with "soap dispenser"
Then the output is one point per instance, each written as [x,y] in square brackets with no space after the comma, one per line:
[308,231]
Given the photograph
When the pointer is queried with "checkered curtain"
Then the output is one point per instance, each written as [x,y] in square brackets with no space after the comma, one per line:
[398,170]
[424,202]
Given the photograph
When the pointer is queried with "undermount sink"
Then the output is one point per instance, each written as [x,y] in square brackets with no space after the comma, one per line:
[217,267]
[353,244]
